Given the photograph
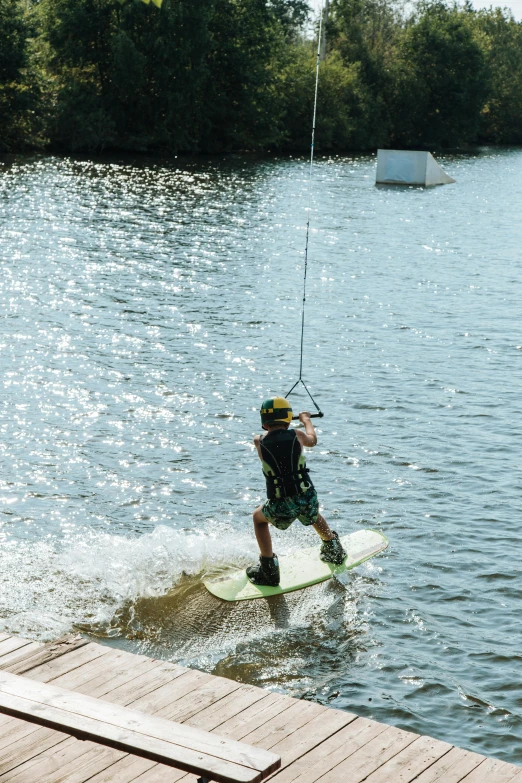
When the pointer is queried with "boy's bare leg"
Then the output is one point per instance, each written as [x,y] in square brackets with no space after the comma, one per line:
[262,531]
[321,527]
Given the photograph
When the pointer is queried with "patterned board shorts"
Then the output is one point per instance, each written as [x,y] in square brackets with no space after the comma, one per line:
[281,512]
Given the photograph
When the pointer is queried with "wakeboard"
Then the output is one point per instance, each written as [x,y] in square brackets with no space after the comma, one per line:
[300,569]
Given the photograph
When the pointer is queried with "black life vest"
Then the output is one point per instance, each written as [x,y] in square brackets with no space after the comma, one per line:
[284,465]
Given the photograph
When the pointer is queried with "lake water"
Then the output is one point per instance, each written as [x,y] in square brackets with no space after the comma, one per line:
[147,307]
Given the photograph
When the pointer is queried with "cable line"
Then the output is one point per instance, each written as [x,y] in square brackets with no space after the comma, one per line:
[300,380]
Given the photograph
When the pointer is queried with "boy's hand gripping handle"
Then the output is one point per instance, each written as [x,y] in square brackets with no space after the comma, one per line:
[312,416]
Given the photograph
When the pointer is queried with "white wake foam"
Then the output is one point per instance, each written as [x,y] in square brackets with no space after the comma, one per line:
[49,587]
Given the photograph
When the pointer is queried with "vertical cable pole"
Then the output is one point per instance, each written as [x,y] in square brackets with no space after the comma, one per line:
[318,60]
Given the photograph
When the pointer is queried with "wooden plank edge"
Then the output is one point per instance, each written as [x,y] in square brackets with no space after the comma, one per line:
[350,718]
[29,648]
[48,652]
[41,697]
[11,644]
[129,741]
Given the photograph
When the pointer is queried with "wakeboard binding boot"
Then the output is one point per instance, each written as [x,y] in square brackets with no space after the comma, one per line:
[332,551]
[266,573]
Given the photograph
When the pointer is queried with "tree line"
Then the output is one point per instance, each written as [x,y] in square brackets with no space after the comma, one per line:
[218,75]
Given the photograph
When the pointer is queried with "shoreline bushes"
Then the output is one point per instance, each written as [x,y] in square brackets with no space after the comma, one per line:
[219,75]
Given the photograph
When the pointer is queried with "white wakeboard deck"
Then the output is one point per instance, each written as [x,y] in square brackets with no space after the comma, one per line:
[300,569]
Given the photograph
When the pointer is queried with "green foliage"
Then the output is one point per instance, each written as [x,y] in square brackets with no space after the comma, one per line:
[501,117]
[242,108]
[13,31]
[193,75]
[441,79]
[343,104]
[364,32]
[213,75]
[18,97]
[128,76]
[291,15]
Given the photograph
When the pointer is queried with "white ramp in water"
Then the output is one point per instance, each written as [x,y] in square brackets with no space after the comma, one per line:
[409,167]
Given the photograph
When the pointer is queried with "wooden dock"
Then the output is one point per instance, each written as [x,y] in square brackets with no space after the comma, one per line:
[316,744]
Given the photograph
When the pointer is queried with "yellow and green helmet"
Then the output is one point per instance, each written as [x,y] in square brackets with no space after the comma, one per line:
[276,410]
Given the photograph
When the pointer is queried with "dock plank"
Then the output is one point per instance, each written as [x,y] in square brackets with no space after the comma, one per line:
[45,765]
[136,680]
[253,717]
[119,677]
[12,644]
[281,726]
[15,731]
[126,770]
[360,764]
[48,652]
[312,751]
[227,708]
[294,730]
[47,738]
[410,762]
[50,670]
[237,726]
[162,697]
[82,768]
[46,673]
[80,712]
[55,763]
[147,682]
[155,738]
[452,767]
[207,719]
[24,749]
[14,657]
[312,734]
[190,704]
[332,752]
[101,668]
[492,771]
[226,763]
[158,775]
[141,675]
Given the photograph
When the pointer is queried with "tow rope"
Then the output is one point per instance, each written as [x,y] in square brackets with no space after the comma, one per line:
[300,380]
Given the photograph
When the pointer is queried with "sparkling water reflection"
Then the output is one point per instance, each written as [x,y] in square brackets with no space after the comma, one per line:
[147,308]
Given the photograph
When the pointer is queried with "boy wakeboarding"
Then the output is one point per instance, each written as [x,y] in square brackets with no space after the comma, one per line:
[290,492]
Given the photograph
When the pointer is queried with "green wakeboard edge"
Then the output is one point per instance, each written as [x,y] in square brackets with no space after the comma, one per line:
[300,569]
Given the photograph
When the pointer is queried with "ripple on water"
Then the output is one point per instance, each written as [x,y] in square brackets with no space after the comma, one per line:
[149,306]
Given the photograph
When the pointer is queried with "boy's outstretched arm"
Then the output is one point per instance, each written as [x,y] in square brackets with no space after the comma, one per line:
[257,444]
[308,437]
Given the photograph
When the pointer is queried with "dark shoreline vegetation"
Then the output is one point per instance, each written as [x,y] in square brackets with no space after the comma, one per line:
[223,75]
